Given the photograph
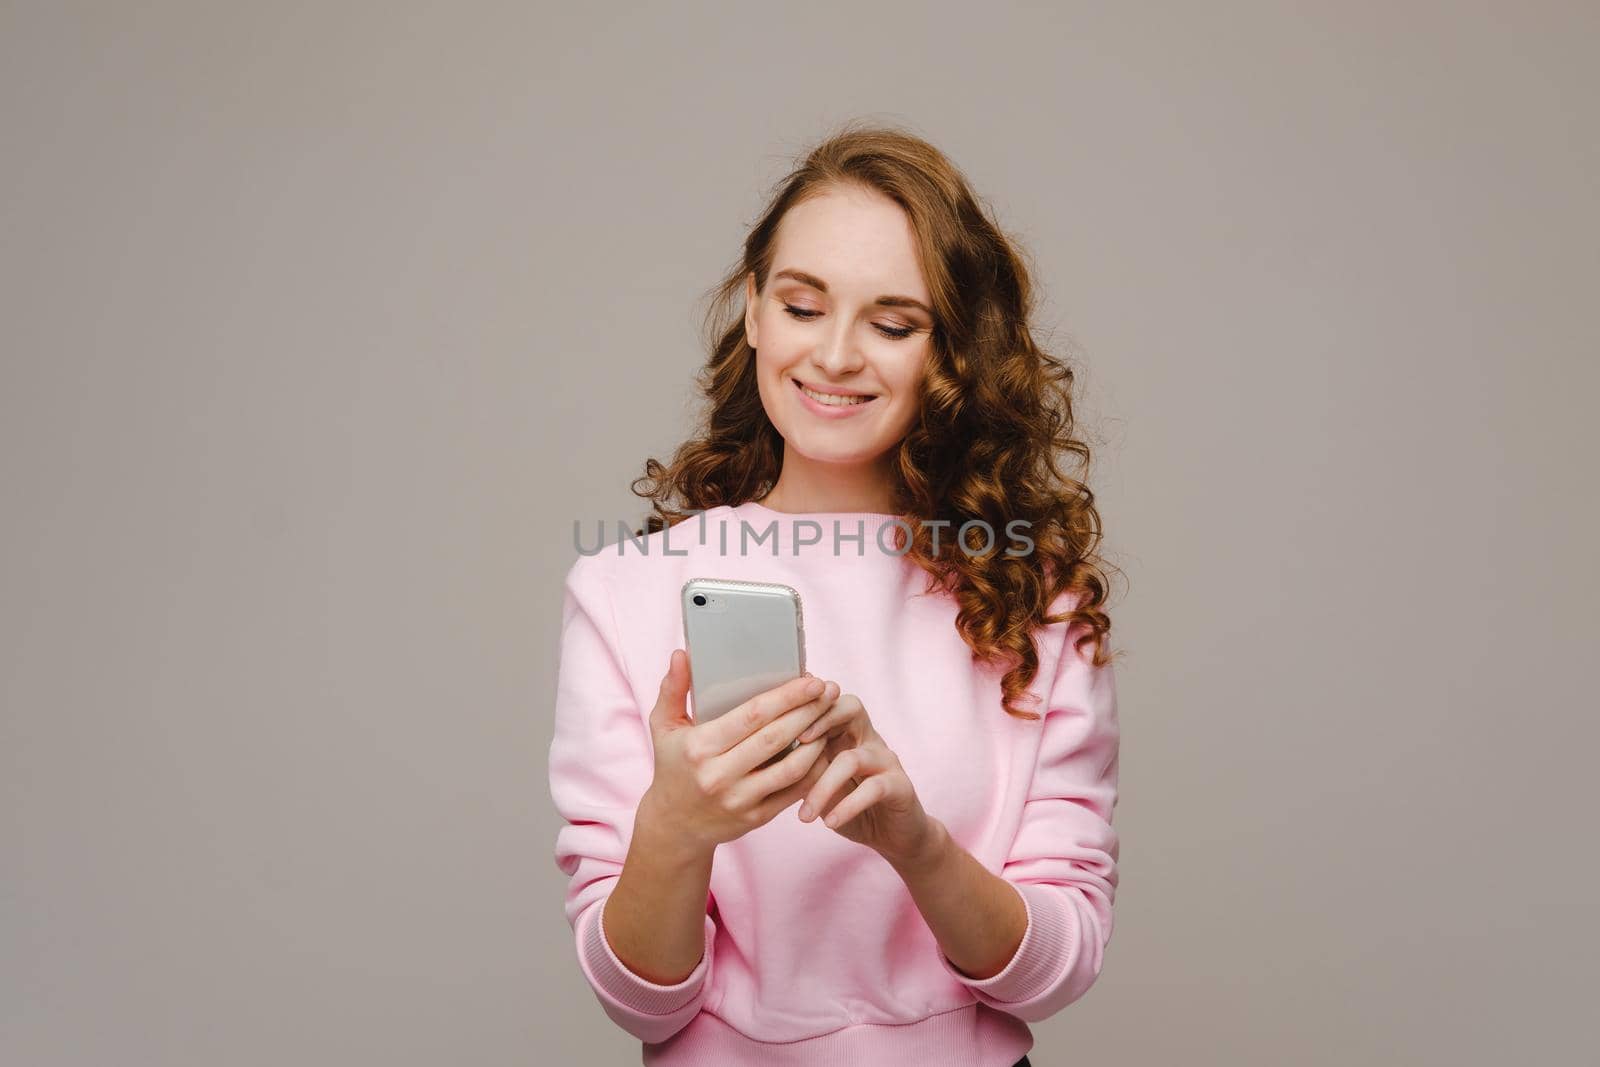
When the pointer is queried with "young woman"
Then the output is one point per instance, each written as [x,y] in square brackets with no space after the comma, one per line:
[881,427]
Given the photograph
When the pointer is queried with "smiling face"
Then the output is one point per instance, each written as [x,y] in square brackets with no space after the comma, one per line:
[842,334]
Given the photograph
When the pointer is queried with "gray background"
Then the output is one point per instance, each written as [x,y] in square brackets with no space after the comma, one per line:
[322,322]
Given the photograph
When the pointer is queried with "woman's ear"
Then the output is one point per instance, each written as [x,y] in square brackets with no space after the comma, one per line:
[750,308]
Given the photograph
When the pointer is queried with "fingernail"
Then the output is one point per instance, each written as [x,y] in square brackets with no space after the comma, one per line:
[815,687]
[805,810]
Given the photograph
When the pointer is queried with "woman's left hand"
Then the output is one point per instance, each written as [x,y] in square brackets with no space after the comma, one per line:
[879,806]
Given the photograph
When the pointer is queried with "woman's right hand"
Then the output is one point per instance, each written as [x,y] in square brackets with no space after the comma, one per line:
[707,788]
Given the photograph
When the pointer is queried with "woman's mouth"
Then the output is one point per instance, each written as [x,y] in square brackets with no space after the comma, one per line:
[830,403]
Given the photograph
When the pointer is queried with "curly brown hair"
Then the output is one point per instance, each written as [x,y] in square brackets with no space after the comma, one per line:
[995,411]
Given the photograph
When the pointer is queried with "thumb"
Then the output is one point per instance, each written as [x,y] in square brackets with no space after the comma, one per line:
[672,702]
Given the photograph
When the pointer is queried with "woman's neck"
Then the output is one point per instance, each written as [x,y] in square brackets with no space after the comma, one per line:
[802,488]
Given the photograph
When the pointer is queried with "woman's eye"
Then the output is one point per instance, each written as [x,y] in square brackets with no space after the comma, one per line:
[806,315]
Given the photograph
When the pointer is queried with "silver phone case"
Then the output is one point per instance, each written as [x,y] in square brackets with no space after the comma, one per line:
[748,638]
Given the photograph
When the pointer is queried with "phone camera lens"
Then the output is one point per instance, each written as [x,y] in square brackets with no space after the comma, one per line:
[699,600]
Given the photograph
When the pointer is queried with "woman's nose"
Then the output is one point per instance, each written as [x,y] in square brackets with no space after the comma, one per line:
[837,353]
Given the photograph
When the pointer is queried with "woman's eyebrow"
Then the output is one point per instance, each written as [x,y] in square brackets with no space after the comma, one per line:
[821,286]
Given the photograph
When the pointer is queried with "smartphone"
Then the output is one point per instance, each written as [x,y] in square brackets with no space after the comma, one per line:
[743,638]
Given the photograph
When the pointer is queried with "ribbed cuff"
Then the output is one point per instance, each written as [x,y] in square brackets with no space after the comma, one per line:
[1042,957]
[627,988]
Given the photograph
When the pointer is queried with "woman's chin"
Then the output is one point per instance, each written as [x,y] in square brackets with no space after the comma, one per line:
[830,452]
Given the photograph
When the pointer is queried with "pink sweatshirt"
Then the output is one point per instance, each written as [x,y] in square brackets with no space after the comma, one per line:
[815,952]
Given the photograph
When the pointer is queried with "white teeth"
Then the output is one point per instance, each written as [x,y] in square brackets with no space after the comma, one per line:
[834,401]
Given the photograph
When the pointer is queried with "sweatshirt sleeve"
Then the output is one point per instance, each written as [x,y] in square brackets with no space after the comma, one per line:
[601,763]
[1063,861]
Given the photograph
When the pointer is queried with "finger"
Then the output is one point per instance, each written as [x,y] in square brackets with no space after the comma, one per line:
[839,772]
[835,715]
[846,708]
[727,730]
[672,700]
[788,779]
[865,795]
[790,794]
[773,738]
